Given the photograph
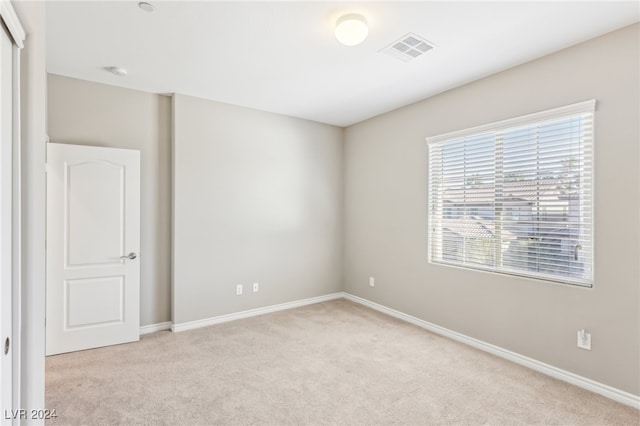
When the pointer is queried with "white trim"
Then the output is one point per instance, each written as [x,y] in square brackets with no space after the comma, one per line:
[253,312]
[580,107]
[152,328]
[17,231]
[10,19]
[566,376]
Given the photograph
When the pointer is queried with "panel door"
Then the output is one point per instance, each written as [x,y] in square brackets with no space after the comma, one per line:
[93,241]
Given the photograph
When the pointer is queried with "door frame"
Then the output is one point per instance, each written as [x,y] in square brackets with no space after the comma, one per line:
[9,18]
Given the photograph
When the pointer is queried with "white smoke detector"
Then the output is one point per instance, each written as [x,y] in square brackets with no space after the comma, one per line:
[408,47]
[120,72]
[146,6]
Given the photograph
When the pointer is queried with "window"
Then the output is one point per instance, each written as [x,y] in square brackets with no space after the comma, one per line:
[522,190]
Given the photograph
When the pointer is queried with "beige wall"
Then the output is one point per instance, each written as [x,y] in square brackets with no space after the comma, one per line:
[386,219]
[257,198]
[279,179]
[87,113]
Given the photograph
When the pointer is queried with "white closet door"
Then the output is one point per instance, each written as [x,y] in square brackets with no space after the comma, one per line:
[6,185]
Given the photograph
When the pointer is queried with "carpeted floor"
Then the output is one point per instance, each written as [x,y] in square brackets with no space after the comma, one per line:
[333,363]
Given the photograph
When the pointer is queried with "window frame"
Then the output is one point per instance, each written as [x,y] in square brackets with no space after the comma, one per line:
[586,107]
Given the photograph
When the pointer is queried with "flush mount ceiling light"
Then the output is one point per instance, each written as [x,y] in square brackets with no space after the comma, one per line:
[351,29]
[120,72]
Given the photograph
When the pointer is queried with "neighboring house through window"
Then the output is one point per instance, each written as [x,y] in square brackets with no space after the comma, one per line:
[516,196]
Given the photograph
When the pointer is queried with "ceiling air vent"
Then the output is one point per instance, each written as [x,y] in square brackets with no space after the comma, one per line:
[408,47]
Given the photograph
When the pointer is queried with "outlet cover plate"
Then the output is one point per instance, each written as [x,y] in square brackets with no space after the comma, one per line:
[584,342]
[238,289]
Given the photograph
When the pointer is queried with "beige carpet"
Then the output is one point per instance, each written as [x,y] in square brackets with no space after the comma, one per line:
[333,363]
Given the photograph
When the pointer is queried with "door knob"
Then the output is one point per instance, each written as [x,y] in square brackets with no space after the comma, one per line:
[131,256]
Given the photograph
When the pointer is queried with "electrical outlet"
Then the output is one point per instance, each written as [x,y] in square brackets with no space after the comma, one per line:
[256,287]
[238,289]
[372,282]
[584,340]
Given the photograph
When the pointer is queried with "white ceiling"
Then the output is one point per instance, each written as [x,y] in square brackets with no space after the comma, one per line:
[282,56]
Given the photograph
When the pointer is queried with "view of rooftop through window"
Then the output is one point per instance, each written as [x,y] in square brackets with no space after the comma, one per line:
[516,199]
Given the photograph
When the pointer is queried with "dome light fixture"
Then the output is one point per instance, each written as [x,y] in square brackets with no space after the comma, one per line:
[351,29]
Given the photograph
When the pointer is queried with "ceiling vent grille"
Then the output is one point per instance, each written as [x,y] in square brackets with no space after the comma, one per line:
[408,47]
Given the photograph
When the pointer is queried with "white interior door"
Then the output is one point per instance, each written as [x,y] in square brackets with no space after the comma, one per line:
[6,240]
[93,241]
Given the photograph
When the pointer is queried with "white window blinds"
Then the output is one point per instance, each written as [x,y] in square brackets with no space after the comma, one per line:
[516,196]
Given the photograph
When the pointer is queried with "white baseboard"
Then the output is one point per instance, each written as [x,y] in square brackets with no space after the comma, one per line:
[566,376]
[253,312]
[152,328]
